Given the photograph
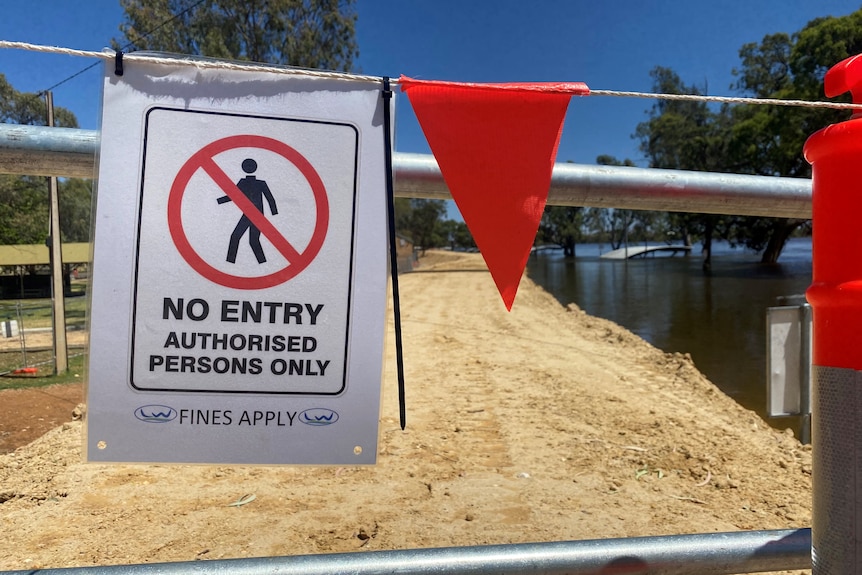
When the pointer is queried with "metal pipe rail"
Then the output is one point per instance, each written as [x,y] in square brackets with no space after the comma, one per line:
[44,151]
[65,152]
[702,554]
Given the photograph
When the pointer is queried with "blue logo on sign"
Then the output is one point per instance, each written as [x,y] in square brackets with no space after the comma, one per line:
[156,413]
[318,416]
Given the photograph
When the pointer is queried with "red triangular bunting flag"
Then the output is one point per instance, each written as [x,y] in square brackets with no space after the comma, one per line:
[496,145]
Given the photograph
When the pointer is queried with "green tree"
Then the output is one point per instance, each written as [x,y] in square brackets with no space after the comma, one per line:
[684,135]
[304,33]
[562,225]
[403,211]
[618,226]
[565,226]
[421,221]
[680,134]
[24,199]
[76,201]
[23,210]
[769,140]
[29,108]
[456,235]
[762,140]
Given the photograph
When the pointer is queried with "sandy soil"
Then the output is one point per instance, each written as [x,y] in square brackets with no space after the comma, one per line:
[542,424]
[30,413]
[43,341]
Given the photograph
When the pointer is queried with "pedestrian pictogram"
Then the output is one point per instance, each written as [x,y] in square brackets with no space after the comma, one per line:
[248,194]
[255,190]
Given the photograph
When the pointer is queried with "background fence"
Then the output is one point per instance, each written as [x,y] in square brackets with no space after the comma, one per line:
[26,343]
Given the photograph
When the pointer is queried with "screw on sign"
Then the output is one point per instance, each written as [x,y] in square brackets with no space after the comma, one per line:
[248,195]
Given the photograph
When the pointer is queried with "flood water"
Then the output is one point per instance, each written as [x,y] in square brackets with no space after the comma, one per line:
[719,318]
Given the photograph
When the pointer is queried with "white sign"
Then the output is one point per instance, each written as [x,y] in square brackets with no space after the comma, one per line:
[788,360]
[240,252]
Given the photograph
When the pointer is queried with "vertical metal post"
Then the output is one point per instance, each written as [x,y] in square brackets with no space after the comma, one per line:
[805,373]
[58,315]
[626,234]
[21,338]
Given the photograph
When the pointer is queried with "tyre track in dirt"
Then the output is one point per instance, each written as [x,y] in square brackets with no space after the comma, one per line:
[470,394]
[537,425]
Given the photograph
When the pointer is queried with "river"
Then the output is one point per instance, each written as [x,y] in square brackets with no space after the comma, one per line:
[719,317]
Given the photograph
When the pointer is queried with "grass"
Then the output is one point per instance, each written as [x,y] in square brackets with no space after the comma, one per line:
[37,312]
[44,377]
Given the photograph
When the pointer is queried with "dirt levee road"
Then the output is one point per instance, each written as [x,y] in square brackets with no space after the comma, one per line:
[543,424]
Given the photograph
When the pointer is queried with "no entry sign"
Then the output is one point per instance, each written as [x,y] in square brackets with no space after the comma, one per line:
[257,236]
[252,216]
[240,249]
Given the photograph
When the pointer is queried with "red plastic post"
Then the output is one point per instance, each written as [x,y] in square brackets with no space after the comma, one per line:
[835,154]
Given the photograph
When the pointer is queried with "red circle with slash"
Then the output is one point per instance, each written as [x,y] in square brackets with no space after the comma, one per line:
[204,160]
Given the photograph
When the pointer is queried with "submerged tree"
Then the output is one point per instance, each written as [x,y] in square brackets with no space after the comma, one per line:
[684,135]
[305,33]
[769,140]
[762,140]
[562,226]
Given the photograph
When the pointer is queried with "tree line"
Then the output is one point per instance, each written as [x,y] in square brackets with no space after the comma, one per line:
[684,135]
[740,139]
[24,199]
[303,33]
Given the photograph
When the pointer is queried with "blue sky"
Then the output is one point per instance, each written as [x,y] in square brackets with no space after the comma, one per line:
[609,45]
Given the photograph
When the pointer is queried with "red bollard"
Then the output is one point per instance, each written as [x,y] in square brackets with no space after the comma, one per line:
[835,295]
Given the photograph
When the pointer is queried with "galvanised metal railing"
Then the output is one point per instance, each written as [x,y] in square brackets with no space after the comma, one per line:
[702,554]
[66,152]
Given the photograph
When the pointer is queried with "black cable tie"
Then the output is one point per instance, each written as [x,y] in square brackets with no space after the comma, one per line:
[393,249]
[118,63]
